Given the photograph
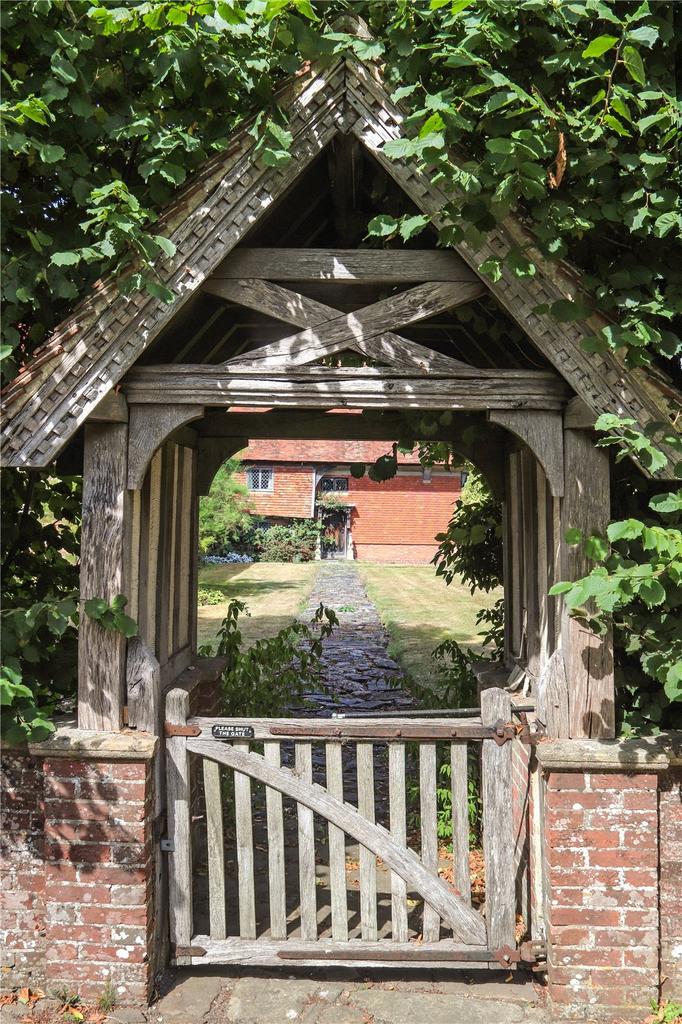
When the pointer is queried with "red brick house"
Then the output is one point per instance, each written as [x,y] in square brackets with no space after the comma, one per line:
[393,521]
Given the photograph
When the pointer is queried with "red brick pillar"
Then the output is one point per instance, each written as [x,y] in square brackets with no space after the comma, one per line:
[601,852]
[22,904]
[670,817]
[79,854]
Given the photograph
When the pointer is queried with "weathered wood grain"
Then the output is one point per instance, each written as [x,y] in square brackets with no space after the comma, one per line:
[112,409]
[542,431]
[364,387]
[553,697]
[148,428]
[498,832]
[244,835]
[277,876]
[105,561]
[342,728]
[398,824]
[429,830]
[143,679]
[150,524]
[368,864]
[382,954]
[291,307]
[587,656]
[459,784]
[178,811]
[378,266]
[337,847]
[183,580]
[466,924]
[306,847]
[215,844]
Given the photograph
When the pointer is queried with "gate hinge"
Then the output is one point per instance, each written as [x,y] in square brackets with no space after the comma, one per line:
[178,951]
[527,953]
[169,729]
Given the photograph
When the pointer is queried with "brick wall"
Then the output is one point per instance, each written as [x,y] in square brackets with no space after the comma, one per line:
[397,521]
[602,876]
[291,495]
[83,899]
[22,893]
[670,816]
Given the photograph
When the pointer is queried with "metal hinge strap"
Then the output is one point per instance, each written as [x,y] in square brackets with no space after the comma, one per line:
[169,729]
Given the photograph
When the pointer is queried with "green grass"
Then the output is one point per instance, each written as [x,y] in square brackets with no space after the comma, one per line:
[275,592]
[420,611]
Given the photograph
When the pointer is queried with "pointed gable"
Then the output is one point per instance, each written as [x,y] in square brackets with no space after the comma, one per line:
[107,333]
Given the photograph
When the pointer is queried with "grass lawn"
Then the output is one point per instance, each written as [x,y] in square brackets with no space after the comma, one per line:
[420,611]
[274,592]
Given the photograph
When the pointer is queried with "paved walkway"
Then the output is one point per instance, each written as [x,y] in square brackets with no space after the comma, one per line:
[357,671]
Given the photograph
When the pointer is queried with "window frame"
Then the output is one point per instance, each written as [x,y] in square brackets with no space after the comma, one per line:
[260,469]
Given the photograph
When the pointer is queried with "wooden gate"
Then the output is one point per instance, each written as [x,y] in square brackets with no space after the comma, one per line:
[269,913]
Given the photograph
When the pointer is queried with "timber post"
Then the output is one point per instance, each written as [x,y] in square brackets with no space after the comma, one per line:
[103,573]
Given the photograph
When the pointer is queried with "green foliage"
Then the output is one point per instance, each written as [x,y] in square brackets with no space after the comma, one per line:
[635,586]
[39,617]
[295,543]
[110,614]
[224,515]
[471,547]
[210,596]
[273,673]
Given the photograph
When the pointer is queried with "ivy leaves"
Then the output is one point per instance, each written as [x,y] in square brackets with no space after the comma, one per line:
[110,614]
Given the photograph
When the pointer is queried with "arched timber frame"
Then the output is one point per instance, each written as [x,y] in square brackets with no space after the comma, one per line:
[154,434]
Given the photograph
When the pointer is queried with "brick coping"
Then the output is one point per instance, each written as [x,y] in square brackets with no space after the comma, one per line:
[88,745]
[636,754]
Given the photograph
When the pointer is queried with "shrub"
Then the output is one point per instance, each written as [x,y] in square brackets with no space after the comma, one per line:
[295,543]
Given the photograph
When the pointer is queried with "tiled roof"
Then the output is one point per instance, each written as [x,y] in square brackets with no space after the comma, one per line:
[335,452]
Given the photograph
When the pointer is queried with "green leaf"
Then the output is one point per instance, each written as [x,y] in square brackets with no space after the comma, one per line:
[95,607]
[670,502]
[627,529]
[652,592]
[600,45]
[645,34]
[491,268]
[160,291]
[63,69]
[410,226]
[382,225]
[596,548]
[165,245]
[51,154]
[634,65]
[124,624]
[666,223]
[573,535]
[65,259]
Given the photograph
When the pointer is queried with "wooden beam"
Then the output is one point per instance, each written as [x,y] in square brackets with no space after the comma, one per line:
[542,432]
[150,426]
[301,311]
[103,573]
[578,415]
[212,453]
[112,409]
[183,386]
[357,329]
[376,266]
[587,656]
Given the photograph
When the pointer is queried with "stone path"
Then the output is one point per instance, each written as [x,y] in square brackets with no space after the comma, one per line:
[357,671]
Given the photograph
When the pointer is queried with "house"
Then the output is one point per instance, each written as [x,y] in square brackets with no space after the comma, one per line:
[393,521]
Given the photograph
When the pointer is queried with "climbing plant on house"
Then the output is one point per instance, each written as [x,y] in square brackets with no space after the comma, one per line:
[564,113]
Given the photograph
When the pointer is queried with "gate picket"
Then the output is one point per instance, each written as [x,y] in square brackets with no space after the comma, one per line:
[245,865]
[277,877]
[306,848]
[215,844]
[398,823]
[368,865]
[460,820]
[498,832]
[429,831]
[337,848]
